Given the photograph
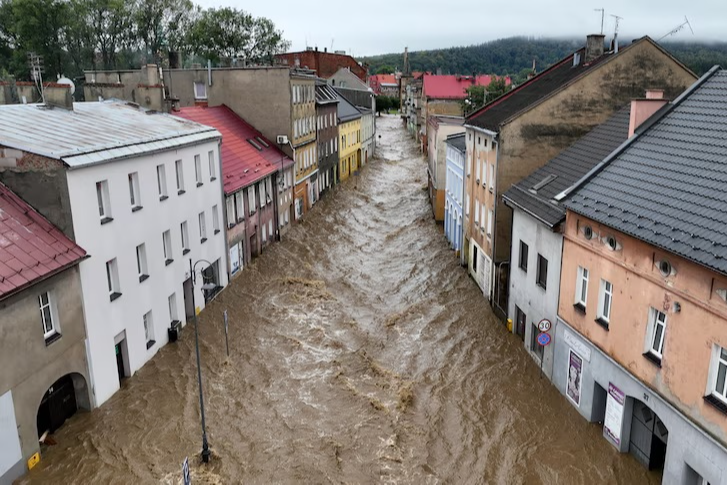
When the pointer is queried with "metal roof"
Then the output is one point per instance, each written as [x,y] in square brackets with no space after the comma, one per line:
[347,111]
[458,142]
[667,185]
[95,132]
[535,193]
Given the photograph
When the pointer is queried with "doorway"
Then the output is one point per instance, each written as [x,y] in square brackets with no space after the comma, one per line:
[121,359]
[188,303]
[57,405]
[649,437]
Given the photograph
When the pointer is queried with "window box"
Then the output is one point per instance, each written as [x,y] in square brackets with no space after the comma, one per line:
[200,184]
[163,198]
[168,262]
[106,220]
[580,308]
[602,322]
[718,403]
[217,231]
[114,296]
[52,338]
[143,277]
[181,192]
[203,240]
[150,344]
[212,179]
[653,358]
[186,251]
[137,208]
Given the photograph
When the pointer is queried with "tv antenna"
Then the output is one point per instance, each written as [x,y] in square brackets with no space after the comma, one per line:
[616,19]
[603,12]
[35,62]
[678,28]
[332,39]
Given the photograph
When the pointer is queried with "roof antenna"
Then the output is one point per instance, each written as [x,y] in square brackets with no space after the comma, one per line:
[615,32]
[603,11]
[35,63]
[678,28]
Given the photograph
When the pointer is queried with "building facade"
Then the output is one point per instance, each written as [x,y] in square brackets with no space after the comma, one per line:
[327,136]
[523,129]
[453,208]
[43,366]
[349,139]
[385,85]
[642,330]
[368,134]
[144,208]
[323,63]
[438,129]
[304,144]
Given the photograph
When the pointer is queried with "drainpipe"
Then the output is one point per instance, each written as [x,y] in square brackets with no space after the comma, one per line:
[494,214]
[464,193]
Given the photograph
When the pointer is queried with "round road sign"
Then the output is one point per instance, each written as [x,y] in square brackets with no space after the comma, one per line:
[543,339]
[544,325]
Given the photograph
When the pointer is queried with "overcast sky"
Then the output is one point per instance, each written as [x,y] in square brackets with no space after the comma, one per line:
[384,26]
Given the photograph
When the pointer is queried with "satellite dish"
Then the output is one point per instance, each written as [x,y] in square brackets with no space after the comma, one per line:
[68,82]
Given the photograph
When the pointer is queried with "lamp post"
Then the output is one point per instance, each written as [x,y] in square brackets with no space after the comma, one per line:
[205,286]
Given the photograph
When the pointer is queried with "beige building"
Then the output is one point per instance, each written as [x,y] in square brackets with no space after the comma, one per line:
[438,129]
[519,132]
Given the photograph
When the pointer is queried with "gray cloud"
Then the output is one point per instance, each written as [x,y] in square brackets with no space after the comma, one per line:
[383,26]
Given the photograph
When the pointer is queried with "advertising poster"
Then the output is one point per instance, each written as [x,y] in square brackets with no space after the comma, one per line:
[614,413]
[573,385]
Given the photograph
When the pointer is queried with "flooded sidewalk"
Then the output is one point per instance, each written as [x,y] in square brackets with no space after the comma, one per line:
[360,352]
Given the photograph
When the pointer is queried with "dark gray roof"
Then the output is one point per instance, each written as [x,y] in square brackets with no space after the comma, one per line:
[567,168]
[325,94]
[346,111]
[458,141]
[667,185]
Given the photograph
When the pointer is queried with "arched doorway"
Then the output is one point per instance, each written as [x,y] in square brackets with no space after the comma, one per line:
[61,401]
[649,437]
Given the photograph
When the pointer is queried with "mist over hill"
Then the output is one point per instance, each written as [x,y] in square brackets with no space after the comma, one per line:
[513,55]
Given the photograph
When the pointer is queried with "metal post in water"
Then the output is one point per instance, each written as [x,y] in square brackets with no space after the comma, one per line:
[227,343]
[205,446]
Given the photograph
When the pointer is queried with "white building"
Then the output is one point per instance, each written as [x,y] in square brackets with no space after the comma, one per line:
[368,132]
[142,193]
[537,239]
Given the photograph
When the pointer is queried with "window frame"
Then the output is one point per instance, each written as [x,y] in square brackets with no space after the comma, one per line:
[49,306]
[196,93]
[172,304]
[198,170]
[142,267]
[112,279]
[179,176]
[581,296]
[605,292]
[215,219]
[103,199]
[211,161]
[651,333]
[184,229]
[202,227]
[540,279]
[162,182]
[523,261]
[134,191]
[718,360]
[148,321]
[167,246]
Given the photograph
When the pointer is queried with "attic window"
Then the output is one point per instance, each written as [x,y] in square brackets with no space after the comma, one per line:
[262,142]
[543,183]
[254,143]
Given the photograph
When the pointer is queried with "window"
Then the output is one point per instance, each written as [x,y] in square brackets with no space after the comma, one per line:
[198,169]
[265,232]
[523,260]
[535,347]
[581,287]
[474,258]
[477,214]
[50,327]
[173,308]
[179,168]
[134,195]
[162,182]
[478,172]
[542,276]
[202,228]
[104,205]
[467,208]
[490,216]
[141,267]
[251,199]
[167,243]
[655,334]
[185,238]
[719,381]
[211,158]
[239,206]
[261,193]
[215,219]
[484,223]
[270,228]
[604,302]
[492,177]
[230,209]
[112,278]
[200,90]
[149,330]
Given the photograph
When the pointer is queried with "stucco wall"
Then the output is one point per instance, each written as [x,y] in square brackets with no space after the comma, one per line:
[530,140]
[29,366]
[691,330]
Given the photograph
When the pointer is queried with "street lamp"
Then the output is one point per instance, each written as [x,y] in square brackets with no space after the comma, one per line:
[205,286]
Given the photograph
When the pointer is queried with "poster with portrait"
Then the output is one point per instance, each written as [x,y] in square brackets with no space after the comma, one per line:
[614,413]
[573,381]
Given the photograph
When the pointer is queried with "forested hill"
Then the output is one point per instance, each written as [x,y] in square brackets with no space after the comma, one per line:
[515,54]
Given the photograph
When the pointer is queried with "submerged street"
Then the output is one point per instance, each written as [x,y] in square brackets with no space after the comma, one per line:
[360,352]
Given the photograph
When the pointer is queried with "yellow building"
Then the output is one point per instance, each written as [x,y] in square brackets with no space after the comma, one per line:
[349,139]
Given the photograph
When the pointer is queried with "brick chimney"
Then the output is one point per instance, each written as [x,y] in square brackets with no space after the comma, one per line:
[642,109]
[594,47]
[58,96]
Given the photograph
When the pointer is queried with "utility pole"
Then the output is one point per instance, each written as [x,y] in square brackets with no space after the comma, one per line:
[603,12]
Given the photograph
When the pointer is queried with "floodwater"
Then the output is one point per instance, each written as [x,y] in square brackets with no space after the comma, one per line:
[360,352]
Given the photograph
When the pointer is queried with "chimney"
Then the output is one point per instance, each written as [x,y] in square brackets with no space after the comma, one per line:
[325,49]
[150,74]
[594,47]
[58,96]
[642,109]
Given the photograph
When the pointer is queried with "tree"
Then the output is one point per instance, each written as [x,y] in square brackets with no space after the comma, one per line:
[386,69]
[497,87]
[161,25]
[383,103]
[395,103]
[474,99]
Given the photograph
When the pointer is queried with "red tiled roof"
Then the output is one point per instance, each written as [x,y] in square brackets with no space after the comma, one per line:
[31,248]
[242,163]
[453,87]
[386,79]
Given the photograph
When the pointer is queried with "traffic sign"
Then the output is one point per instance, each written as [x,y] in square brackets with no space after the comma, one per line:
[186,479]
[543,338]
[544,325]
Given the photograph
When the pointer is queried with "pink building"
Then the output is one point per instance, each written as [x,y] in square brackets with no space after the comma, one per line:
[641,337]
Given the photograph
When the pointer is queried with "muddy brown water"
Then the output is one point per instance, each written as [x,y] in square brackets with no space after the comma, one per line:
[361,352]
